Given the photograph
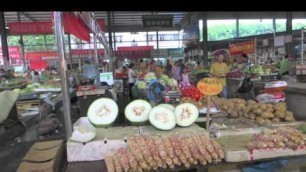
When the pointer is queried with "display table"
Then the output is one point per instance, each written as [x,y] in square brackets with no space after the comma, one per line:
[295,91]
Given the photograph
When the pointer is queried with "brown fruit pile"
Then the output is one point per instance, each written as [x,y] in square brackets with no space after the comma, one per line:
[261,113]
[160,152]
[283,137]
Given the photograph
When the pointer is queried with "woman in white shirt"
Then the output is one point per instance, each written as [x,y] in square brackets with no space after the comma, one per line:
[132,79]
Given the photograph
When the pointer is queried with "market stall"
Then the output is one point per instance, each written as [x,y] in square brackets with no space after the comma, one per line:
[169,127]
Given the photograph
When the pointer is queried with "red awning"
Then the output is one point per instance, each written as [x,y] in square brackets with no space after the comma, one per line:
[72,24]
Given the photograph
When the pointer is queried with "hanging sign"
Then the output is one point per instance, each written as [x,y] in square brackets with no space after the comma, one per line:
[37,27]
[245,47]
[210,86]
[279,41]
[288,38]
[157,21]
[176,52]
[159,53]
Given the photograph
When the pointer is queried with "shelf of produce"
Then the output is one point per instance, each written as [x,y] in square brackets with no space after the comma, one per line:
[236,151]
[106,140]
[234,127]
[194,128]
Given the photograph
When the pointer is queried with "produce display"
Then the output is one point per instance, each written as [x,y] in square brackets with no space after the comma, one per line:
[150,76]
[13,83]
[137,111]
[282,137]
[261,113]
[191,92]
[162,118]
[103,112]
[161,152]
[186,114]
[83,133]
[201,103]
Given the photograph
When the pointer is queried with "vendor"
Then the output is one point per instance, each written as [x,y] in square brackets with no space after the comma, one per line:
[142,66]
[36,77]
[45,75]
[284,66]
[152,66]
[219,70]
[124,70]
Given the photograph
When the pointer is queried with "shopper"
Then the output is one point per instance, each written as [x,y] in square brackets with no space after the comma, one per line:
[143,66]
[182,66]
[132,79]
[152,67]
[219,70]
[168,68]
[198,67]
[175,71]
[185,78]
[36,77]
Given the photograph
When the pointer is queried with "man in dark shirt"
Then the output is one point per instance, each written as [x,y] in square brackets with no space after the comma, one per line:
[182,66]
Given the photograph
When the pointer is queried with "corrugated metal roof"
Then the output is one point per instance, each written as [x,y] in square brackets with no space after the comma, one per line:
[121,18]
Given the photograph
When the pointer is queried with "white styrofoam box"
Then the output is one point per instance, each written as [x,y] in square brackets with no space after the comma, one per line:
[92,151]
[106,140]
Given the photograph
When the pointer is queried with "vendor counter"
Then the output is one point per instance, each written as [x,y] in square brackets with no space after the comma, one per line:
[295,95]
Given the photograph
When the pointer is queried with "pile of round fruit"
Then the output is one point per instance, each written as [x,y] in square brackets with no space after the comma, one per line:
[191,92]
[261,113]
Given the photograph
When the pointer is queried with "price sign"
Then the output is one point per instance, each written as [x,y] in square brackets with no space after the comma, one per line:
[210,86]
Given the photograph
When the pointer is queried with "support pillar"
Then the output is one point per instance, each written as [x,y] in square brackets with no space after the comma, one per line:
[289,46]
[205,41]
[4,46]
[70,52]
[59,33]
[24,64]
[110,41]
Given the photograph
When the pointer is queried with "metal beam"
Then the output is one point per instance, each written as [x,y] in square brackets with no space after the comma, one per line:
[139,28]
[27,16]
[3,35]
